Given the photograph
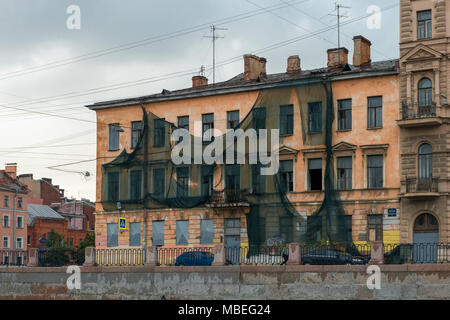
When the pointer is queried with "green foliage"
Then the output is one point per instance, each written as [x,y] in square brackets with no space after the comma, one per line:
[89,241]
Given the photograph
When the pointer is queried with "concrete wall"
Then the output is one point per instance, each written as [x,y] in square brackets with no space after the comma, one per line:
[249,282]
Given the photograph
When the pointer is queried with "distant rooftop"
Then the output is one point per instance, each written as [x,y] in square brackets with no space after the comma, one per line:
[36,211]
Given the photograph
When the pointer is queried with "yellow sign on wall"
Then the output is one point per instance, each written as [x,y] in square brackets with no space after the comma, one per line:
[122,223]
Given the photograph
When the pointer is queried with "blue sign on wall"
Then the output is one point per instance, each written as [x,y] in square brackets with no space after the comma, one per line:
[122,223]
[392,212]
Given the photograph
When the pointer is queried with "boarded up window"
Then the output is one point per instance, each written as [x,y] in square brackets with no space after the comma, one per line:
[158,233]
[135,234]
[114,136]
[207,231]
[182,232]
[112,234]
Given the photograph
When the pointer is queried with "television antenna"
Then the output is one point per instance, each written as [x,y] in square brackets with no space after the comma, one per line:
[214,37]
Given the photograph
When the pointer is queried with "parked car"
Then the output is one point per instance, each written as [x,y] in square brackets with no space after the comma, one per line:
[327,257]
[194,258]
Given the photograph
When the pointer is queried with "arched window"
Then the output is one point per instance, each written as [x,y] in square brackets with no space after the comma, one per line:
[425,92]
[425,165]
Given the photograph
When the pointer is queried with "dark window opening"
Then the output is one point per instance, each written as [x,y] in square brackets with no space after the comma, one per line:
[345,114]
[183,123]
[135,185]
[232,119]
[286,229]
[113,186]
[207,180]
[286,120]
[287,175]
[259,119]
[375,171]
[136,131]
[159,132]
[315,174]
[258,180]
[183,182]
[344,173]
[315,117]
[159,182]
[375,112]
[233,177]
[207,124]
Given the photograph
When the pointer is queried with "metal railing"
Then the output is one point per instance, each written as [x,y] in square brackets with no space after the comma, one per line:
[13,257]
[414,185]
[228,196]
[184,256]
[417,111]
[417,253]
[120,257]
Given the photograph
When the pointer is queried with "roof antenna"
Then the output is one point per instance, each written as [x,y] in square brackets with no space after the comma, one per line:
[214,37]
[338,8]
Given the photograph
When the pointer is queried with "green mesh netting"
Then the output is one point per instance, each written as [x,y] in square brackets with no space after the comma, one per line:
[271,215]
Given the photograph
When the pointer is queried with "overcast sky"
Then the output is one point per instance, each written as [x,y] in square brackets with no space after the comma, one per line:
[38,72]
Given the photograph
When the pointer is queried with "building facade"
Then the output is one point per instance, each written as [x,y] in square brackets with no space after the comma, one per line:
[14,198]
[424,120]
[338,152]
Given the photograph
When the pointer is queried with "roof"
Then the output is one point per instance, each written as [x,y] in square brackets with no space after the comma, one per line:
[37,211]
[7,183]
[238,84]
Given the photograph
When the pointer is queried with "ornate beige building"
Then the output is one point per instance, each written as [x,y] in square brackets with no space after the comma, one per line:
[424,120]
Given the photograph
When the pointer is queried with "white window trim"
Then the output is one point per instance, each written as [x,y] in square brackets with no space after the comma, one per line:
[3,242]
[17,247]
[17,222]
[3,221]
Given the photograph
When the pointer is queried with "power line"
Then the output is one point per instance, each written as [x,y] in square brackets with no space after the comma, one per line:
[214,37]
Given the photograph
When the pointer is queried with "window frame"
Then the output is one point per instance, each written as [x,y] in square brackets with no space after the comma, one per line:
[426,24]
[315,113]
[135,131]
[188,178]
[349,182]
[3,242]
[108,191]
[154,183]
[286,120]
[9,221]
[113,131]
[375,108]
[154,222]
[130,187]
[369,175]
[17,222]
[342,109]
[22,243]
[229,120]
[203,238]
[210,126]
[159,132]
[288,184]
[115,235]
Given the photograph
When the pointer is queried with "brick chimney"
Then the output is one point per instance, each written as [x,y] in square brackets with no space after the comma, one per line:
[254,67]
[11,170]
[337,57]
[199,81]
[361,51]
[293,64]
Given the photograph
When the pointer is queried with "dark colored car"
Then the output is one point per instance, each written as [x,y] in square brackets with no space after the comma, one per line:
[195,258]
[330,257]
[401,254]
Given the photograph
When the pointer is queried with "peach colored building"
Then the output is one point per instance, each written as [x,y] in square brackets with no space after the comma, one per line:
[13,213]
[363,156]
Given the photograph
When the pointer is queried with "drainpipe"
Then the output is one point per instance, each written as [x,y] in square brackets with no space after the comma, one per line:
[14,221]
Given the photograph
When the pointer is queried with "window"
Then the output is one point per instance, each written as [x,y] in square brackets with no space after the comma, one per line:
[6,202]
[29,240]
[159,182]
[6,221]
[286,229]
[19,243]
[19,202]
[136,185]
[424,24]
[425,94]
[207,180]
[136,130]
[345,114]
[375,171]
[315,117]
[71,242]
[6,242]
[286,120]
[182,232]
[158,233]
[135,234]
[20,222]
[112,234]
[258,180]
[375,112]
[233,177]
[114,130]
[207,124]
[259,119]
[183,182]
[375,225]
[183,123]
[113,186]
[344,166]
[315,174]
[287,175]
[159,132]
[232,119]
[206,231]
[425,166]
[262,230]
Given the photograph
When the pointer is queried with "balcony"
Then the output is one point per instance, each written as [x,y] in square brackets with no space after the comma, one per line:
[415,115]
[228,198]
[422,188]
